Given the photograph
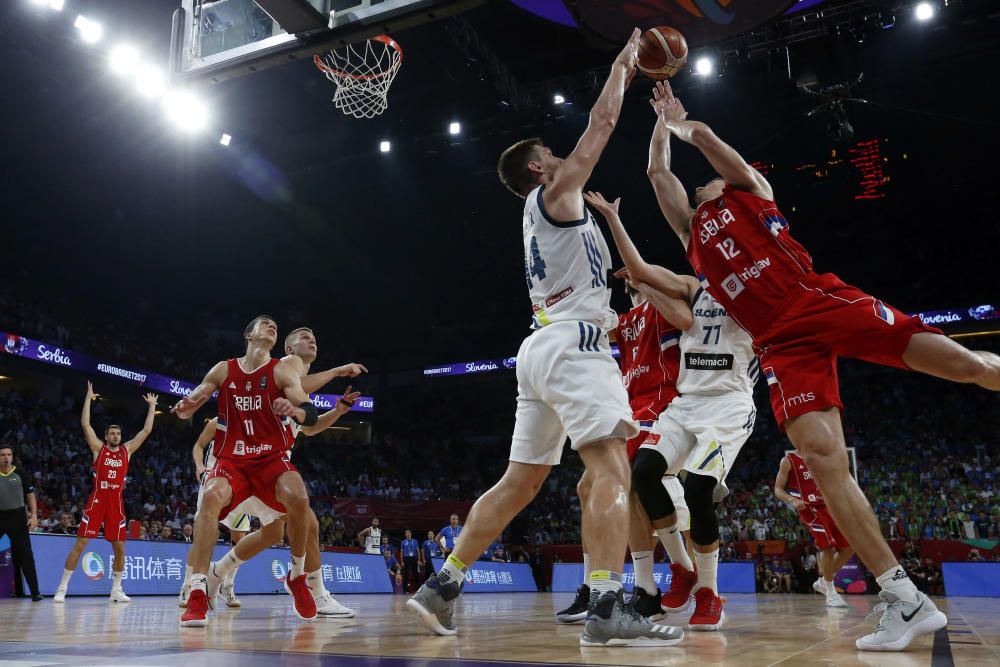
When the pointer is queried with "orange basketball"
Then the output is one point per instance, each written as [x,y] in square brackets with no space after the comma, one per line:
[662,52]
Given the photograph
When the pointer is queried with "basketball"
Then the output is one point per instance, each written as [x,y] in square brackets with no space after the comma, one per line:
[662,52]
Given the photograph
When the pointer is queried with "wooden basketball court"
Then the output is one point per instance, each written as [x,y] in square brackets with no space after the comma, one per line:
[508,629]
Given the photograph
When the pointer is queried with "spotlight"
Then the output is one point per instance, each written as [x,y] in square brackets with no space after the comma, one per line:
[454,128]
[924,11]
[150,82]
[185,110]
[704,66]
[124,60]
[57,5]
[385,146]
[225,139]
[558,99]
[90,31]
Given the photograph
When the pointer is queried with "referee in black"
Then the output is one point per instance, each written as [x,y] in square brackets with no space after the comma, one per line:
[16,490]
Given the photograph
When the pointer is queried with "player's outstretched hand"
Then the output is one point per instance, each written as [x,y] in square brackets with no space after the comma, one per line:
[665,104]
[90,391]
[351,370]
[151,398]
[606,208]
[284,408]
[346,402]
[186,407]
[629,54]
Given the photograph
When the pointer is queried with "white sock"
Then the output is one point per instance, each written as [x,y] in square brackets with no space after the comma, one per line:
[673,542]
[708,567]
[116,581]
[643,563]
[895,580]
[452,570]
[64,584]
[604,581]
[314,580]
[199,582]
[298,566]
[228,563]
[230,577]
[187,575]
[586,569]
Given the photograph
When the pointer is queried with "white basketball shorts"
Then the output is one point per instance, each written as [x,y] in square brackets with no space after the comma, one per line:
[239,517]
[568,384]
[703,435]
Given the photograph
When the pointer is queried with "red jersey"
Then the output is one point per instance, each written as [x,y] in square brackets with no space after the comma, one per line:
[110,468]
[248,426]
[801,481]
[650,360]
[746,258]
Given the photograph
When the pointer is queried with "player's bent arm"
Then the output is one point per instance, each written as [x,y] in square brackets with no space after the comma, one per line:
[675,311]
[188,405]
[670,194]
[205,437]
[315,381]
[726,161]
[323,422]
[781,481]
[363,535]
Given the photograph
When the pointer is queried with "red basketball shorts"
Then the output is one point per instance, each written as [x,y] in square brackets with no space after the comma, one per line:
[823,528]
[828,319]
[633,444]
[105,509]
[254,477]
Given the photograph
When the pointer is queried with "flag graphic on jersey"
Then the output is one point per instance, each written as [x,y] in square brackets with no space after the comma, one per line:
[883,313]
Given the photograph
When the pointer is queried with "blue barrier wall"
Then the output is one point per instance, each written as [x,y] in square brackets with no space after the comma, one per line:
[733,577]
[157,568]
[974,579]
[487,577]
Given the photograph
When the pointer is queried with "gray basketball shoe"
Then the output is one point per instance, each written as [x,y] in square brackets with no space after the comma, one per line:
[434,605]
[611,622]
[901,622]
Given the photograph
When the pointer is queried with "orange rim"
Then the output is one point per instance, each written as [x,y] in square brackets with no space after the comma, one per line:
[385,39]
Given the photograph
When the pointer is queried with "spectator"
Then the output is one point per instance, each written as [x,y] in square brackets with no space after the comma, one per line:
[428,550]
[392,566]
[975,556]
[927,577]
[64,526]
[187,533]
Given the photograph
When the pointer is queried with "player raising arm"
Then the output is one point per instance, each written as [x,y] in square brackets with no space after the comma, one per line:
[741,248]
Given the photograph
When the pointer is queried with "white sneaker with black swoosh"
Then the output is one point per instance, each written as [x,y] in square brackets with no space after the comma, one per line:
[901,622]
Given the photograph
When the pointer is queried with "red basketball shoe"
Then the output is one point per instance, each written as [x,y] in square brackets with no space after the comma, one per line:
[681,583]
[196,613]
[708,613]
[302,597]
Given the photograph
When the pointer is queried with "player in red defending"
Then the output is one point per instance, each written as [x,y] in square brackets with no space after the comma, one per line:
[801,322]
[105,506]
[647,337]
[256,392]
[795,486]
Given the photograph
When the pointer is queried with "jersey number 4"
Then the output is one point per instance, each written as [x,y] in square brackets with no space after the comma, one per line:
[535,263]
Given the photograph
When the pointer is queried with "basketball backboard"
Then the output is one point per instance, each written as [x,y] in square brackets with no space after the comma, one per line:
[214,40]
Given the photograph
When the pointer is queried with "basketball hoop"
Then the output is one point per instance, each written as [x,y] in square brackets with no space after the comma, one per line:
[362,75]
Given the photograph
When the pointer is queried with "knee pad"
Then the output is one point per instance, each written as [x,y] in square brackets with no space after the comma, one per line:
[698,492]
[648,470]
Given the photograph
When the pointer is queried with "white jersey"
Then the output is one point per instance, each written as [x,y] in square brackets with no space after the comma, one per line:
[566,265]
[716,354]
[373,543]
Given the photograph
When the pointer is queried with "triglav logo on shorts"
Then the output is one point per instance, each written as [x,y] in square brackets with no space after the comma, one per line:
[93,566]
[733,285]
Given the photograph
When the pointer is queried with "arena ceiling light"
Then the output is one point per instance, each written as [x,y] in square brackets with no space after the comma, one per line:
[124,60]
[186,111]
[150,82]
[924,11]
[704,66]
[90,31]
[225,139]
[385,146]
[558,99]
[454,128]
[56,5]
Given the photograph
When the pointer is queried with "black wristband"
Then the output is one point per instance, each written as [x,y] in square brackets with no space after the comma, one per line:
[311,414]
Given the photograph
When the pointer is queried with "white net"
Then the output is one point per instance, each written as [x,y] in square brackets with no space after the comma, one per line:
[362,74]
